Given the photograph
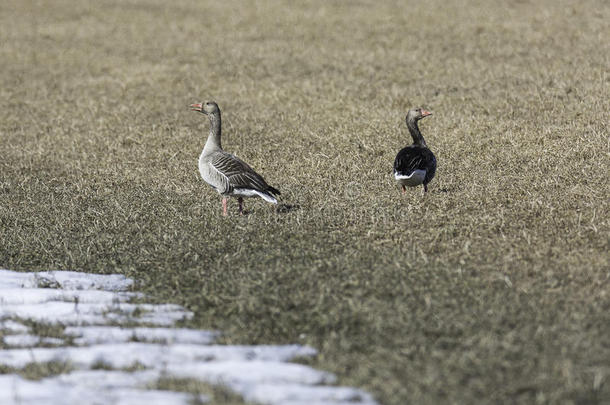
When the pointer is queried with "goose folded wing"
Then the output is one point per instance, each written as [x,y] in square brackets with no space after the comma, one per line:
[408,160]
[238,173]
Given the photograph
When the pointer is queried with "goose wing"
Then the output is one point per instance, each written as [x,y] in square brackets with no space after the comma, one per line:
[238,173]
[408,160]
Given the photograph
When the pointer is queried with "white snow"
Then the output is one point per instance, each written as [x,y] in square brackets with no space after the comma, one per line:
[98,314]
[30,296]
[95,313]
[90,387]
[126,354]
[88,335]
[68,280]
[27,340]
[10,326]
[306,395]
[243,375]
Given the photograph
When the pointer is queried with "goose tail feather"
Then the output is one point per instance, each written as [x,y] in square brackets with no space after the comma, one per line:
[273,190]
[267,197]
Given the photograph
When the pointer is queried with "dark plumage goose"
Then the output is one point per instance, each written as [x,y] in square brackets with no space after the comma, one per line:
[226,173]
[415,164]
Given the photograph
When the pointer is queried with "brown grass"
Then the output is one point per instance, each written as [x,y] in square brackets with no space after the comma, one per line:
[491,289]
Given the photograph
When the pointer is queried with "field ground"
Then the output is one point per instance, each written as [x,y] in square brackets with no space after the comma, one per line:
[494,288]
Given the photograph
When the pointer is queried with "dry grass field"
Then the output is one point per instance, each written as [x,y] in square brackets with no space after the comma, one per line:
[493,288]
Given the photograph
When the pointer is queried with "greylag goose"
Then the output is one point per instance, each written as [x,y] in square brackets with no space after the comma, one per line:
[415,164]
[226,173]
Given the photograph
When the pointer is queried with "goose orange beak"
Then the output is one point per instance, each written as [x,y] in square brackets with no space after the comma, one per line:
[196,107]
[425,113]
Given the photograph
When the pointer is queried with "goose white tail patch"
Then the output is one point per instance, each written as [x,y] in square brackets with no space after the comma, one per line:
[414,179]
[248,193]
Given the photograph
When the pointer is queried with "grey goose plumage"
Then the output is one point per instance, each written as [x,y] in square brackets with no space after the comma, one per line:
[226,173]
[415,164]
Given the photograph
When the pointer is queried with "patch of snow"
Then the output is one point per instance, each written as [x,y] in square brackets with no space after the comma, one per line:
[90,335]
[126,354]
[95,313]
[90,387]
[21,340]
[67,280]
[242,375]
[20,296]
[31,340]
[87,303]
[72,280]
[299,394]
[10,326]
[13,279]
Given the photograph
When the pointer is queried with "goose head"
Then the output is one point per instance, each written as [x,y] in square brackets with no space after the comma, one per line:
[417,114]
[207,108]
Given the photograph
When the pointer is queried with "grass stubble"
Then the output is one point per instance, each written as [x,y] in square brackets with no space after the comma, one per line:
[493,288]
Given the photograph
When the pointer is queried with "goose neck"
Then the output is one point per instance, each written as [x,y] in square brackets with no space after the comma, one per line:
[213,141]
[418,138]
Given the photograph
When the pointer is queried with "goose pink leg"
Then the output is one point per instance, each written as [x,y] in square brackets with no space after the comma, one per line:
[224,206]
[240,201]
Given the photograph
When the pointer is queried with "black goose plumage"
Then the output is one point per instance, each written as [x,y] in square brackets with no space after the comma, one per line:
[415,164]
